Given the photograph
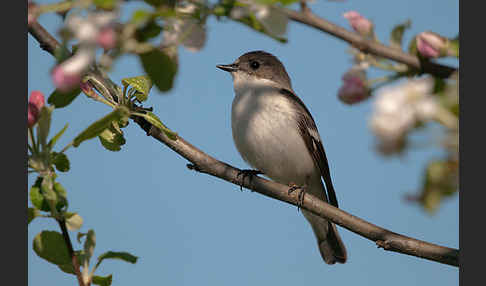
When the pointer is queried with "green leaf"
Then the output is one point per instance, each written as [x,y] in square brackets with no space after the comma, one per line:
[155,121]
[61,196]
[61,99]
[54,139]
[89,244]
[453,48]
[112,138]
[61,53]
[61,161]
[50,245]
[123,122]
[81,235]
[142,85]
[73,221]
[396,35]
[69,268]
[47,189]
[105,4]
[43,189]
[31,214]
[44,124]
[412,46]
[160,68]
[431,201]
[439,86]
[36,197]
[252,22]
[148,31]
[97,127]
[156,3]
[271,2]
[125,256]
[140,16]
[102,280]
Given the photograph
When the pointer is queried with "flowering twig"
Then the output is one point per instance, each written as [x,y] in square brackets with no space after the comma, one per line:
[209,165]
[310,19]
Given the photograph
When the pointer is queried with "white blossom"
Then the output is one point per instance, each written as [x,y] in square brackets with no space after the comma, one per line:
[273,20]
[186,31]
[86,30]
[398,108]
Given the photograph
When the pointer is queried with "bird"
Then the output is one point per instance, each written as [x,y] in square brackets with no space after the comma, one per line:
[275,133]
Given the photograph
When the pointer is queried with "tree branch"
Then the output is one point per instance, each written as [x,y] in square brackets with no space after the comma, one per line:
[308,18]
[204,163]
[384,238]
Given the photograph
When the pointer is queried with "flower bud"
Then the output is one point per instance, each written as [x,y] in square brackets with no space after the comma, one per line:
[36,102]
[354,88]
[63,80]
[87,88]
[359,23]
[431,45]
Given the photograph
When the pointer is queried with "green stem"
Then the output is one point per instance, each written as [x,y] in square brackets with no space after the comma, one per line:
[124,94]
[67,147]
[387,66]
[139,114]
[32,139]
[447,118]
[30,149]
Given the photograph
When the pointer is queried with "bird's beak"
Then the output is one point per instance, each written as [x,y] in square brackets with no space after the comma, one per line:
[228,68]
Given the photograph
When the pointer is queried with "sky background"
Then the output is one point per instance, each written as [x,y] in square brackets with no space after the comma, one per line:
[219,235]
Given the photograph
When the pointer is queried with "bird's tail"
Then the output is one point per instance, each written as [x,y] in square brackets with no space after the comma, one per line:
[331,247]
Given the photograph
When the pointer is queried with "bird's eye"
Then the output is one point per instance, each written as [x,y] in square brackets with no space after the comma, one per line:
[254,65]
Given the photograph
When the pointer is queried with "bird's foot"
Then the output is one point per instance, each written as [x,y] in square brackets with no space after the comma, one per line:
[300,197]
[247,173]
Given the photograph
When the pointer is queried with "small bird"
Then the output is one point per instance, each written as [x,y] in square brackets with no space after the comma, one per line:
[275,133]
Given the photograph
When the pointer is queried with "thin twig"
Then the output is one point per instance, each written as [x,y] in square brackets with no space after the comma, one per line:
[74,259]
[204,163]
[310,19]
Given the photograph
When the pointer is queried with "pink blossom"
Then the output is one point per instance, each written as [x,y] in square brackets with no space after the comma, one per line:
[107,38]
[359,23]
[430,45]
[63,80]
[353,89]
[36,102]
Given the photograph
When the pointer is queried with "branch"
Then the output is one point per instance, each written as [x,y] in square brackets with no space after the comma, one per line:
[204,163]
[384,238]
[308,18]
[74,259]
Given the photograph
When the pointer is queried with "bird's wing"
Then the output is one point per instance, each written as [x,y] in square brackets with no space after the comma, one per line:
[309,133]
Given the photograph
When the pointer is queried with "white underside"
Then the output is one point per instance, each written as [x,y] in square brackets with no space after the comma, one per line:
[266,134]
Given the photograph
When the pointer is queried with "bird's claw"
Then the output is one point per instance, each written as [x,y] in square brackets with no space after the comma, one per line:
[300,197]
[247,173]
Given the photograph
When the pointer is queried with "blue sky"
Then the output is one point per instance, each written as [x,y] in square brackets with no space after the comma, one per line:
[191,229]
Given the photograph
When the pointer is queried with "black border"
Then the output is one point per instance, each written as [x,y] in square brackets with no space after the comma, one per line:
[14,144]
[471,144]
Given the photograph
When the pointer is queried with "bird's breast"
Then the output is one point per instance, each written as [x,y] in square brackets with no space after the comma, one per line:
[266,134]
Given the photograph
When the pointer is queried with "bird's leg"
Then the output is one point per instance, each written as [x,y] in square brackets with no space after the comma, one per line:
[247,173]
[300,197]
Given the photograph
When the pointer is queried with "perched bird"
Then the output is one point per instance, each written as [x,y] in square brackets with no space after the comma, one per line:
[275,133]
